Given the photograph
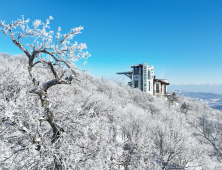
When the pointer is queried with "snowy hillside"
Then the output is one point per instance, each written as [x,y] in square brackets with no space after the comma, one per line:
[101,125]
[211,99]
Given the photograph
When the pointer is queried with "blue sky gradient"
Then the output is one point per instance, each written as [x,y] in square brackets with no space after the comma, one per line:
[182,39]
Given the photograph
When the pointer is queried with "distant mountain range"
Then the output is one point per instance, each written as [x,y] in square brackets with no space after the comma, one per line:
[211,99]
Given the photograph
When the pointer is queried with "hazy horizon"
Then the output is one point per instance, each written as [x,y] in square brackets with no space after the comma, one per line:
[205,88]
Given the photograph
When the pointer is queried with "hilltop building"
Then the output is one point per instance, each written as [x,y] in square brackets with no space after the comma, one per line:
[142,77]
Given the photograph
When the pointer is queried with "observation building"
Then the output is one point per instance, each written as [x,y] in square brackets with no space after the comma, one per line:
[142,77]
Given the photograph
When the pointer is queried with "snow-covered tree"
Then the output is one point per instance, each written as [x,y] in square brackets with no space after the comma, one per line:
[184,108]
[56,53]
[172,99]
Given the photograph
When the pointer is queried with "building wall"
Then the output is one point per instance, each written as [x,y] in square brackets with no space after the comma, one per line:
[163,89]
[150,79]
[145,75]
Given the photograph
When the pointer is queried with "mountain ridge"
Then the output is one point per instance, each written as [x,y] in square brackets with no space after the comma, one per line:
[102,125]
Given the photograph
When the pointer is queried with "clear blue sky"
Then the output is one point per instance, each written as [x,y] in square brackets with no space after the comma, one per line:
[181,38]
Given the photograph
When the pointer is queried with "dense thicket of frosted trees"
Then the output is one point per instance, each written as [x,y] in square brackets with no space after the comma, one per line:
[104,126]
[55,117]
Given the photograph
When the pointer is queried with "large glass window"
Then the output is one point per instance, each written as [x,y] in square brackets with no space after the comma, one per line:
[136,83]
[157,88]
[136,70]
[149,85]
[149,74]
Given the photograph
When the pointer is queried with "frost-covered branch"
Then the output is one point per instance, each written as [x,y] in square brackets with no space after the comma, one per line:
[60,52]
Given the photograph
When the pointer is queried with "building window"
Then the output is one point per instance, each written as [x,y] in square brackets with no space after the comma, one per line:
[157,88]
[164,89]
[149,75]
[149,85]
[136,70]
[136,83]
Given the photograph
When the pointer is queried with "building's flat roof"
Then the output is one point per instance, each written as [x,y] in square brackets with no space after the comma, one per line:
[138,65]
